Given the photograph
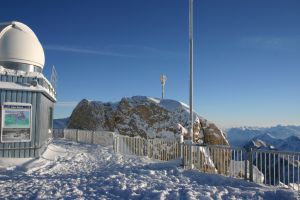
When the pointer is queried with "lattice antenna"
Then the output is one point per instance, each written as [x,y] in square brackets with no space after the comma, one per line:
[53,79]
[163,79]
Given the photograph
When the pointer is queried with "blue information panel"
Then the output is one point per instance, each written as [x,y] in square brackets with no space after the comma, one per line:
[16,122]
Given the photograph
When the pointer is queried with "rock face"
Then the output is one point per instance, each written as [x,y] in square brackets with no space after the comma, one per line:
[146,117]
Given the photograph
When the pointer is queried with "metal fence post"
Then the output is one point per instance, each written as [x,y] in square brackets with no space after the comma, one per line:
[147,147]
[77,135]
[117,143]
[189,154]
[250,157]
[246,165]
[181,150]
[92,138]
[191,157]
[114,143]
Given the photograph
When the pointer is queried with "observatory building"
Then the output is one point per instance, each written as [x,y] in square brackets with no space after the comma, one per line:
[27,97]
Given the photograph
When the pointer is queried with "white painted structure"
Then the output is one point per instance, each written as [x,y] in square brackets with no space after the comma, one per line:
[27,98]
[19,44]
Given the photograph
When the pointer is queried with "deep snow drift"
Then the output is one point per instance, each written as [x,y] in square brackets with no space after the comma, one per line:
[72,170]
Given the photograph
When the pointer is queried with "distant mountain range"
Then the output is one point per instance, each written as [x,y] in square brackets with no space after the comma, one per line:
[60,123]
[284,138]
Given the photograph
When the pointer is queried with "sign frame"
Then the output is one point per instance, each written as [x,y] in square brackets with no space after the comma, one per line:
[15,106]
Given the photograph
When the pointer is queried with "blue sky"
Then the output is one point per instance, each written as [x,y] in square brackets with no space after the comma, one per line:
[247,63]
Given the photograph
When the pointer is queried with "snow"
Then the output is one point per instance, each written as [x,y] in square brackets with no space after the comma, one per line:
[238,169]
[170,105]
[4,70]
[207,159]
[80,171]
[27,87]
[155,100]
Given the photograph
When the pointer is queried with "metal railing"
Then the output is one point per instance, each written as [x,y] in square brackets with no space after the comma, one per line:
[223,160]
[130,145]
[160,149]
[58,133]
[163,149]
[278,168]
[260,166]
[268,167]
[85,136]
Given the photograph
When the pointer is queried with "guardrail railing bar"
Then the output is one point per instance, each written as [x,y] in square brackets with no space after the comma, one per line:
[265,162]
[279,168]
[274,166]
[229,161]
[288,170]
[270,168]
[283,174]
[298,174]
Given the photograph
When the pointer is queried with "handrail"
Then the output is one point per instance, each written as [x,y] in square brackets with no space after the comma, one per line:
[267,167]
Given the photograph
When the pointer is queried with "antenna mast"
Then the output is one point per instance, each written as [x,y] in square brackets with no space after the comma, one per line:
[53,78]
[163,79]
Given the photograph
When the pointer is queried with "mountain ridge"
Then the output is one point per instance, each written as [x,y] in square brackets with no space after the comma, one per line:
[147,117]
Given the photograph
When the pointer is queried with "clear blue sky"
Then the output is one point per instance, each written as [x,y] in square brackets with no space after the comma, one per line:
[247,53]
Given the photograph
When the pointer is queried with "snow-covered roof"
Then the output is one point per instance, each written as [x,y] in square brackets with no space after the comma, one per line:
[19,44]
[46,89]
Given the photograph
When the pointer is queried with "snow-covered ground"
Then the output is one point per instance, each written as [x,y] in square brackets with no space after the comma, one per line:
[80,171]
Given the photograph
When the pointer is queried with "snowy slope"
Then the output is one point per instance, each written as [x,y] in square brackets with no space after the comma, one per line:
[77,171]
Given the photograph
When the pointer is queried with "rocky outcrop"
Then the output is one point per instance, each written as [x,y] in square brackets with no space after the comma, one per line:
[213,135]
[91,115]
[146,117]
[153,118]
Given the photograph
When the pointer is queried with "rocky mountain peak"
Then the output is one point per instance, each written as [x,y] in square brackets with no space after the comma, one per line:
[144,116]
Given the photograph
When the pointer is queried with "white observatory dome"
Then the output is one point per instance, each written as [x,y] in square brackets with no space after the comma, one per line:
[20,49]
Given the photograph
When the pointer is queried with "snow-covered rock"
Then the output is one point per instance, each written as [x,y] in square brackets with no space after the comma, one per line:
[146,117]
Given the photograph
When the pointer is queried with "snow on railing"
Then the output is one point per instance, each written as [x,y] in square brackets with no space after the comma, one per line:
[267,167]
[130,145]
[57,133]
[160,149]
[163,149]
[223,160]
[277,167]
[103,138]
[261,166]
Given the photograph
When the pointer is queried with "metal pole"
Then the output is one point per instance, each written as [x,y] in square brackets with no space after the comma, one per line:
[191,81]
[162,91]
[191,65]
[163,80]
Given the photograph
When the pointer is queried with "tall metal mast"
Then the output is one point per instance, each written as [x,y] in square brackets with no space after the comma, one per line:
[163,79]
[191,52]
